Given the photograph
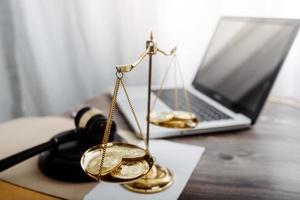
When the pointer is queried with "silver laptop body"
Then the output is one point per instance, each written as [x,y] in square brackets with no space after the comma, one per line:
[234,79]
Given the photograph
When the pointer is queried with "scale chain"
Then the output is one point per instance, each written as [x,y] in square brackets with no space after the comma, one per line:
[176,89]
[176,63]
[162,83]
[134,114]
[186,95]
[109,122]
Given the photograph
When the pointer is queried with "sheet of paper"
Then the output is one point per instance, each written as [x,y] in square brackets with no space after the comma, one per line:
[181,159]
[23,133]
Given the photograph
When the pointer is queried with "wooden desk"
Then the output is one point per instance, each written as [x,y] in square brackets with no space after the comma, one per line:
[259,163]
[9,191]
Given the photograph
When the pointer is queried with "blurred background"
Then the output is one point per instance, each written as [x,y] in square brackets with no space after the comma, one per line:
[54,54]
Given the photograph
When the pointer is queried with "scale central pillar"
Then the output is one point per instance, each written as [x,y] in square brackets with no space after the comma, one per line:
[158,178]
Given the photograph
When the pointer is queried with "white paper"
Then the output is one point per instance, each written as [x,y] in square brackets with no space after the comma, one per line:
[181,159]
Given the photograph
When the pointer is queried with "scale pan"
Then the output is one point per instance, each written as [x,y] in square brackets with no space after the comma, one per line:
[184,115]
[122,163]
[174,119]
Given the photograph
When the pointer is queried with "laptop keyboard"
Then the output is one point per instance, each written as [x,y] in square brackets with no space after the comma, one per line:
[199,107]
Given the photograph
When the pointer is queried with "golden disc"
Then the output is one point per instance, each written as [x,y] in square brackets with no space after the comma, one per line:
[111,162]
[174,124]
[128,152]
[184,115]
[191,123]
[131,170]
[158,117]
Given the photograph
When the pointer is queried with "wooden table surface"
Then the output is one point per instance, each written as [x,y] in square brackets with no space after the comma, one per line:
[259,163]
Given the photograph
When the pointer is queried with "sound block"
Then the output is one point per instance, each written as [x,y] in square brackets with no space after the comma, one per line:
[63,162]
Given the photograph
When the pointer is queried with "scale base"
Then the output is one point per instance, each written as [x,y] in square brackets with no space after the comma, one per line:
[158,179]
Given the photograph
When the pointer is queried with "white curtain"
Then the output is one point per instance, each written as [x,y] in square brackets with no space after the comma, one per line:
[54,53]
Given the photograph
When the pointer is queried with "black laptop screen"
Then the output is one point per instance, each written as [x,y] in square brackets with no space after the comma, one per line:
[242,61]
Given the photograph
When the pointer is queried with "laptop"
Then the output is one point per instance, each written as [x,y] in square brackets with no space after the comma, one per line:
[233,81]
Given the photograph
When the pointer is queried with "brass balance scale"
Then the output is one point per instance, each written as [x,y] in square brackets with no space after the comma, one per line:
[130,165]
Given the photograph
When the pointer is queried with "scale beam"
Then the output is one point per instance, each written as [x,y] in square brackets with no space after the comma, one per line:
[151,49]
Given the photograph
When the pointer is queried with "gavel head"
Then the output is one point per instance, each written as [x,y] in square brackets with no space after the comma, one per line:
[91,123]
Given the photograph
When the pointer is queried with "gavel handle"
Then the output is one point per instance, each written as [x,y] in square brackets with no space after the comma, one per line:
[64,137]
[23,155]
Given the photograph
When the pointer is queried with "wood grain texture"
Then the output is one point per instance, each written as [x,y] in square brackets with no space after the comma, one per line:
[9,191]
[258,163]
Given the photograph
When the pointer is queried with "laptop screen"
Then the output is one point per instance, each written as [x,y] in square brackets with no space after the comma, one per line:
[242,61]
